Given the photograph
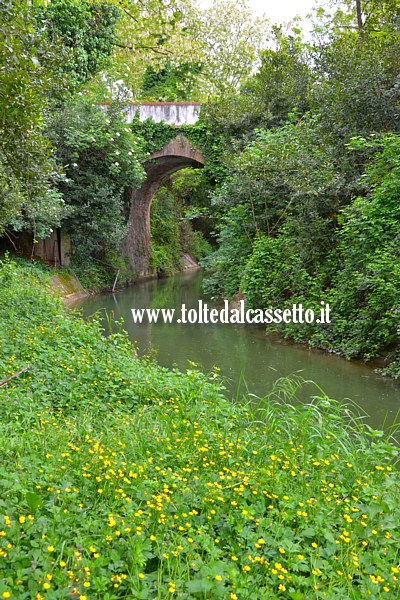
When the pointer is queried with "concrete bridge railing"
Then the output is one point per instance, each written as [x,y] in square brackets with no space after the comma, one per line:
[172,113]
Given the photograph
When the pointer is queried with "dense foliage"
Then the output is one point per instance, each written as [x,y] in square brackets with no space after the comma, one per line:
[84,32]
[101,157]
[26,163]
[211,500]
[305,206]
[366,291]
[172,232]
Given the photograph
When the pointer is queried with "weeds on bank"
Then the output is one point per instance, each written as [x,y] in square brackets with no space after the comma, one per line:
[119,479]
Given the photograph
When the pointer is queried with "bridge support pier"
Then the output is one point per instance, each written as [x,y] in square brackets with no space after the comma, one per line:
[137,242]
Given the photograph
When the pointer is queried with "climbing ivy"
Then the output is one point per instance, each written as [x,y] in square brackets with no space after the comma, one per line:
[153,136]
[202,135]
[84,33]
[210,141]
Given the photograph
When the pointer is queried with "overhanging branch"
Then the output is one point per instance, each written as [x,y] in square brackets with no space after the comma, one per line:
[142,47]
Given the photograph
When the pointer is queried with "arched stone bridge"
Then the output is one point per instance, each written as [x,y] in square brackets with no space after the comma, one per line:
[177,154]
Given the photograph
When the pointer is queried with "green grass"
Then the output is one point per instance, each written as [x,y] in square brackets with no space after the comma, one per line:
[120,479]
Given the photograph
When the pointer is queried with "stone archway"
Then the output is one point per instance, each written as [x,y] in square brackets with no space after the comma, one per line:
[177,154]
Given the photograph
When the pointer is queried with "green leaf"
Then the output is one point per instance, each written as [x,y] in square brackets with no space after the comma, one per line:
[201,586]
[33,500]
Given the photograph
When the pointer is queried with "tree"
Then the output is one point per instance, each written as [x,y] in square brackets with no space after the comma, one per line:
[228,39]
[27,167]
[356,89]
[282,83]
[101,158]
[219,45]
[171,83]
[47,52]
[84,33]
[150,36]
[373,16]
[356,66]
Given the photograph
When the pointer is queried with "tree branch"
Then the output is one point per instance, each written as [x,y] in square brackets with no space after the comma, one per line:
[130,15]
[359,15]
[5,381]
[10,239]
[152,48]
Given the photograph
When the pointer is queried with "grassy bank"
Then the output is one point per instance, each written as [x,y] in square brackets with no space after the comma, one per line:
[120,479]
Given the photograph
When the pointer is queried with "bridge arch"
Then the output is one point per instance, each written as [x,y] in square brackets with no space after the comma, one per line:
[177,154]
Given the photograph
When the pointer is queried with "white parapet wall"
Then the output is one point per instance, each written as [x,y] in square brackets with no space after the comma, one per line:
[172,113]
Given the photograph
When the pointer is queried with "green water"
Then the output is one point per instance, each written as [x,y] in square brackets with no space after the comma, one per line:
[242,353]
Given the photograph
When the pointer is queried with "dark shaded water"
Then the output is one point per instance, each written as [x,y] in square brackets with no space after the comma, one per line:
[242,353]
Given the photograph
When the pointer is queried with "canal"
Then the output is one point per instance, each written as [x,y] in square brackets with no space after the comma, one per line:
[249,360]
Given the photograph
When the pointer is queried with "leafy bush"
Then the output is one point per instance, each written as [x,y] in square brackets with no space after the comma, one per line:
[101,158]
[165,233]
[366,291]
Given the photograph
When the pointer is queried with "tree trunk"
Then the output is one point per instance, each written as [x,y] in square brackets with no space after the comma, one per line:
[359,15]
